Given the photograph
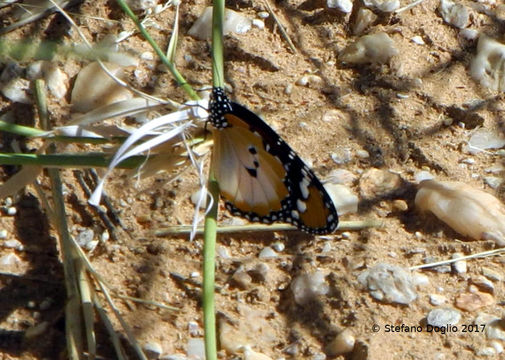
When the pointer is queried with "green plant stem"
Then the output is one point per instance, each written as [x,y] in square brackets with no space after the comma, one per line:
[177,75]
[210,228]
[209,251]
[68,160]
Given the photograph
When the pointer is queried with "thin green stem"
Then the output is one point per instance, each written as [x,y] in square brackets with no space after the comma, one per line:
[67,160]
[177,75]
[210,229]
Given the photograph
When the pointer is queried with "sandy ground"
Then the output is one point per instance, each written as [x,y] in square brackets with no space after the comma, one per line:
[410,114]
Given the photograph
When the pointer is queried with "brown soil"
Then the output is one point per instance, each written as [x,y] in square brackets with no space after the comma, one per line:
[404,134]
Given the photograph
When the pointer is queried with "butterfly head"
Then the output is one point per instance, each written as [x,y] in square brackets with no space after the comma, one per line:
[219,106]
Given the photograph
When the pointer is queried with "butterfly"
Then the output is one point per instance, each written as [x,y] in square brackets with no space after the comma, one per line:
[260,177]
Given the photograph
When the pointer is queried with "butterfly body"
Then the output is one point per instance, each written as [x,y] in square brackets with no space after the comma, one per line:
[260,177]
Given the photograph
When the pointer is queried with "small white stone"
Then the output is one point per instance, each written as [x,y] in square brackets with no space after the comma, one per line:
[382,5]
[147,55]
[443,316]
[196,348]
[194,275]
[487,351]
[10,259]
[11,211]
[3,234]
[267,253]
[418,40]
[459,266]
[491,274]
[343,198]
[494,182]
[194,329]
[263,14]
[260,24]
[469,34]
[278,246]
[343,5]
[437,299]
[362,154]
[13,244]
[454,13]
[342,344]
[153,350]
[306,287]
[497,346]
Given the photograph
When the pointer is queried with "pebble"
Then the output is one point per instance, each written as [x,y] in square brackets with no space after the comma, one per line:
[469,211]
[196,349]
[3,234]
[382,5]
[234,22]
[263,14]
[491,274]
[16,90]
[495,329]
[223,252]
[343,156]
[11,211]
[343,5]
[174,357]
[195,198]
[152,350]
[454,14]
[342,344]
[377,48]
[364,19]
[343,198]
[459,266]
[497,346]
[10,259]
[469,34]
[443,317]
[250,354]
[378,183]
[13,244]
[400,205]
[423,175]
[486,66]
[420,279]
[437,299]
[493,181]
[194,329]
[389,283]
[85,238]
[260,24]
[278,246]
[267,253]
[56,80]
[362,154]
[418,40]
[147,55]
[242,279]
[483,284]
[306,287]
[483,139]
[486,351]
[472,301]
[341,176]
